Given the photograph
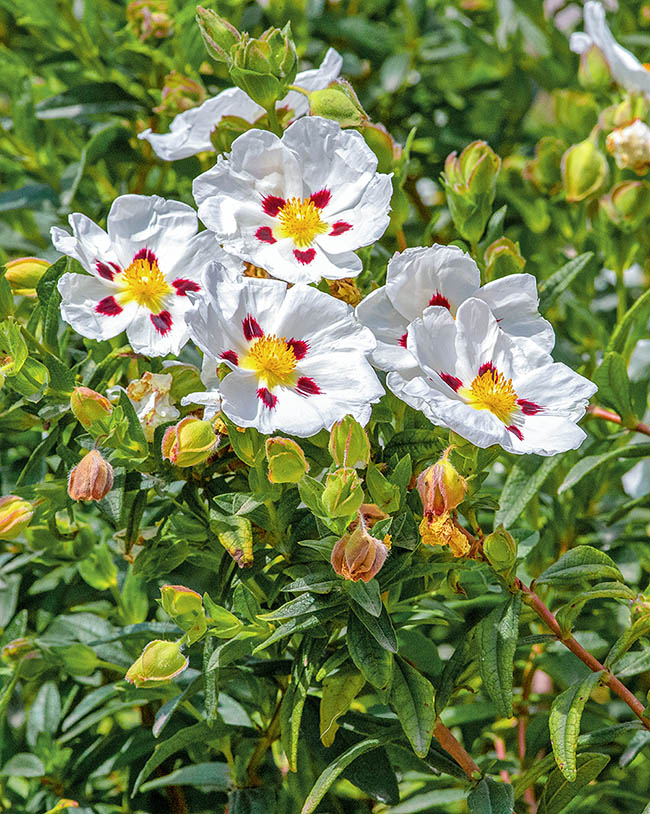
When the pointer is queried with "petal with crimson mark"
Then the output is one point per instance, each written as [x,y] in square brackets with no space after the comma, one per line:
[304,257]
[267,398]
[298,347]
[272,204]
[230,356]
[516,431]
[109,307]
[440,299]
[339,228]
[321,198]
[182,286]
[265,235]
[107,270]
[307,387]
[251,328]
[402,340]
[485,367]
[529,407]
[450,380]
[162,322]
[146,254]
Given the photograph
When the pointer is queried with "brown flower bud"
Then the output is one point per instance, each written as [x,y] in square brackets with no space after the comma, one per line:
[359,555]
[91,479]
[441,488]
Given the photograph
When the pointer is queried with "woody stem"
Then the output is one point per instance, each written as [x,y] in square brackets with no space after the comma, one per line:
[449,743]
[608,415]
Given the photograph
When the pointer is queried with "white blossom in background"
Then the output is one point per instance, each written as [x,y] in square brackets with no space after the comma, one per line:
[141,271]
[189,133]
[489,387]
[297,206]
[297,356]
[445,276]
[624,66]
[630,146]
[150,396]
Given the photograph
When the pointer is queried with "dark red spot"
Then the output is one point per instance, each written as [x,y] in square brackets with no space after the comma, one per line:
[452,381]
[304,257]
[230,356]
[299,347]
[251,328]
[529,407]
[146,254]
[307,387]
[265,234]
[162,322]
[320,198]
[107,271]
[516,431]
[109,307]
[182,286]
[339,227]
[402,341]
[440,299]
[272,204]
[265,395]
[485,367]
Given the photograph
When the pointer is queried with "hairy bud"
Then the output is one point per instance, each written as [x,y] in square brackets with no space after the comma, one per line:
[89,406]
[185,607]
[218,34]
[349,445]
[159,661]
[584,171]
[441,488]
[15,516]
[180,93]
[92,478]
[501,550]
[338,102]
[150,18]
[343,494]
[190,442]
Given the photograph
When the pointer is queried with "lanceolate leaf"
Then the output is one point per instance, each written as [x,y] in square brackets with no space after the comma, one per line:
[381,627]
[564,723]
[490,797]
[496,639]
[568,613]
[560,280]
[375,662]
[580,563]
[595,462]
[519,489]
[559,792]
[412,701]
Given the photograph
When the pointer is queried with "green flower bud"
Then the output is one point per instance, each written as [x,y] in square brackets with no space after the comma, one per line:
[470,182]
[381,142]
[502,258]
[218,34]
[91,479]
[190,442]
[544,170]
[265,67]
[593,71]
[501,550]
[185,607]
[584,171]
[17,649]
[338,102]
[627,204]
[286,460]
[24,274]
[15,516]
[89,406]
[343,494]
[180,93]
[159,661]
[150,18]
[349,445]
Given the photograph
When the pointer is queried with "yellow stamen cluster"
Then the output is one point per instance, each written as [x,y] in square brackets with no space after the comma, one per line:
[492,391]
[144,283]
[273,360]
[300,220]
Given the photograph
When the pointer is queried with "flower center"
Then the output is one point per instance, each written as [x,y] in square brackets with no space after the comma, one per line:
[272,359]
[144,283]
[492,391]
[300,220]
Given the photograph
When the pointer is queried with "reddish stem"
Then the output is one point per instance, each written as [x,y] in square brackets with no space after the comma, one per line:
[609,415]
[449,743]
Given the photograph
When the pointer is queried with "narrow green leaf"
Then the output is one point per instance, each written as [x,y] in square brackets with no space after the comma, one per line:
[559,792]
[567,614]
[634,317]
[339,691]
[496,636]
[380,627]
[520,487]
[215,775]
[582,562]
[564,723]
[45,712]
[375,663]
[491,797]
[638,629]
[592,462]
[412,700]
[452,672]
[614,385]
[551,288]
[366,594]
[23,765]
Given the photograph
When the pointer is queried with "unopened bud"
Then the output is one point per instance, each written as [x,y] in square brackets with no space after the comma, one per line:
[150,18]
[92,478]
[190,442]
[338,102]
[627,204]
[343,494]
[180,93]
[24,274]
[349,445]
[544,171]
[630,146]
[265,67]
[159,661]
[286,460]
[501,550]
[503,258]
[89,406]
[17,649]
[186,609]
[441,488]
[359,555]
[15,516]
[584,170]
[593,71]
[218,34]
[380,141]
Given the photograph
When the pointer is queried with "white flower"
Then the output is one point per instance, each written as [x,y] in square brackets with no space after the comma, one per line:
[630,146]
[624,66]
[445,276]
[151,400]
[300,205]
[190,131]
[141,271]
[489,387]
[297,356]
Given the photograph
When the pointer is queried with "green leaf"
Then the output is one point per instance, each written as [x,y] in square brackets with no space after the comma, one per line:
[45,713]
[491,797]
[215,775]
[520,487]
[23,765]
[412,700]
[496,636]
[375,663]
[302,672]
[332,772]
[639,628]
[452,671]
[559,792]
[420,444]
[383,492]
[339,691]
[551,288]
[380,627]
[366,594]
[30,196]
[582,562]
[98,568]
[614,386]
[567,614]
[564,723]
[633,318]
[591,462]
[301,605]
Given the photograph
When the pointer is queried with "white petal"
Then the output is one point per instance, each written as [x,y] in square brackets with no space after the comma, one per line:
[210,399]
[558,389]
[432,341]
[579,42]
[80,297]
[145,338]
[87,244]
[377,312]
